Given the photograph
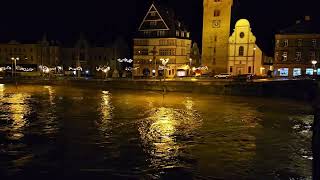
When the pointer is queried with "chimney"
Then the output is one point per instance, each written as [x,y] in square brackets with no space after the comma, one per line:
[307,18]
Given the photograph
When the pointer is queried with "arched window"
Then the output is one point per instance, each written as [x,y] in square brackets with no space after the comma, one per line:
[241,51]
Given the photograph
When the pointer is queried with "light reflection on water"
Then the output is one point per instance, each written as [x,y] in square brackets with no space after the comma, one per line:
[142,134]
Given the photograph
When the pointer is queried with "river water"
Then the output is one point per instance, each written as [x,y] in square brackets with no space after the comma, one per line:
[63,132]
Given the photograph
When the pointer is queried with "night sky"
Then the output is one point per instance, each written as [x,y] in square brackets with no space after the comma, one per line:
[106,19]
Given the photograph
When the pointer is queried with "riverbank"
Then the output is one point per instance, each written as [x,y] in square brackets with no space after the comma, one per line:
[293,89]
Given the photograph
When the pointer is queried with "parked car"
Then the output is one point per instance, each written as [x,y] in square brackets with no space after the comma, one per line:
[243,77]
[222,76]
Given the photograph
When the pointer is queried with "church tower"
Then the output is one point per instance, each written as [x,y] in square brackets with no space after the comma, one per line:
[216,32]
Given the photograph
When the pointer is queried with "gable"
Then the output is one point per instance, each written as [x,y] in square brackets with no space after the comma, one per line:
[153,21]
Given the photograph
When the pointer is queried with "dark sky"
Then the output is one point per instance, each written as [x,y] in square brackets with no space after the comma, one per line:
[27,20]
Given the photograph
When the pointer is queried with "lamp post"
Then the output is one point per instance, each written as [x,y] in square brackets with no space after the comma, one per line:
[14,61]
[314,63]
[254,58]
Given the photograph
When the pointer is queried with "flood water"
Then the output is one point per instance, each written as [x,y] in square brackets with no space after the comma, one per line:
[63,132]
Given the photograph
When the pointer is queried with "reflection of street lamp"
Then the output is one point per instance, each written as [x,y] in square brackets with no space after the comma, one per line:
[14,60]
[314,63]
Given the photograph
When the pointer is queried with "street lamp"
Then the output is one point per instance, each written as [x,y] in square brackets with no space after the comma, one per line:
[314,63]
[14,61]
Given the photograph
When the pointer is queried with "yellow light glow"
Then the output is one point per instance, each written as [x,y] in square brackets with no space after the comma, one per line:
[18,110]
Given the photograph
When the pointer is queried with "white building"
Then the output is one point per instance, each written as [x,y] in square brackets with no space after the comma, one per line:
[245,57]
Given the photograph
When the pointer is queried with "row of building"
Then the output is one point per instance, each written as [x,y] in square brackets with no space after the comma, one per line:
[52,54]
[161,36]
[162,46]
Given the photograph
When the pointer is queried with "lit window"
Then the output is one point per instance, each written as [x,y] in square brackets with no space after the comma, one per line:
[284,56]
[298,56]
[296,71]
[309,71]
[286,43]
[153,13]
[284,72]
[241,51]
[277,43]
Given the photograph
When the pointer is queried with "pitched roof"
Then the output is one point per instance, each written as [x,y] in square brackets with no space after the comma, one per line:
[159,17]
[302,27]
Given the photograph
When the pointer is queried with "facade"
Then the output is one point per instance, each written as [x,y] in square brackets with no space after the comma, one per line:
[53,54]
[161,36]
[297,50]
[30,55]
[245,57]
[215,36]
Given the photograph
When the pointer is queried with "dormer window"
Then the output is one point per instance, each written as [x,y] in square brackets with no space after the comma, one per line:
[153,14]
[177,33]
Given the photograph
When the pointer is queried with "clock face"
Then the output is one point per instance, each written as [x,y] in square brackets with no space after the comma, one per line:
[216,23]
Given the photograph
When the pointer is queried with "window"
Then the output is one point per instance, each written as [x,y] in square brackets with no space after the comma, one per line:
[153,13]
[242,35]
[309,71]
[299,43]
[215,38]
[277,43]
[217,0]
[284,72]
[153,23]
[284,56]
[177,33]
[318,71]
[286,43]
[314,42]
[241,51]
[249,69]
[216,13]
[161,33]
[167,52]
[172,42]
[276,56]
[296,71]
[298,56]
[188,35]
[312,55]
[183,52]
[214,50]
[182,34]
[140,52]
[231,69]
[163,42]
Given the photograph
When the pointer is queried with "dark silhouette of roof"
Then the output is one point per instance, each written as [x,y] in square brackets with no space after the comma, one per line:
[306,26]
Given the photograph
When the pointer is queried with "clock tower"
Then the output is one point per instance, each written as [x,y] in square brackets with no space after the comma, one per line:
[215,36]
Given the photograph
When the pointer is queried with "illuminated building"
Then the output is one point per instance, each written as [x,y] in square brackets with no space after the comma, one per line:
[50,53]
[297,49]
[245,57]
[216,32]
[161,36]
[31,55]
